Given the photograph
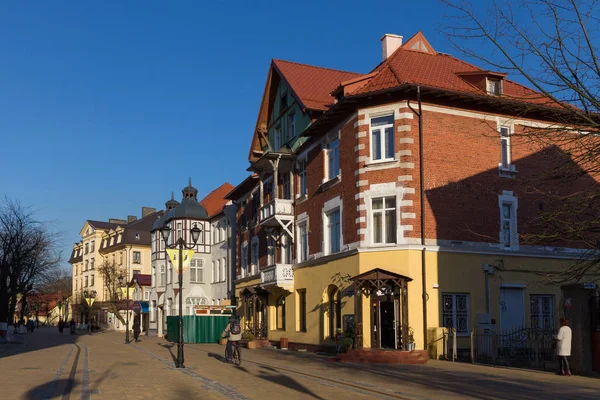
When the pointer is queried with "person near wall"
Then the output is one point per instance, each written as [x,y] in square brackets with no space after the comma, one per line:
[563,346]
[136,329]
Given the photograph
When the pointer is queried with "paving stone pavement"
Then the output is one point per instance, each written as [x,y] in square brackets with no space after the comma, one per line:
[102,366]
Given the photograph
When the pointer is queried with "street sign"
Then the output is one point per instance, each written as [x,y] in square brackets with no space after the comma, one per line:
[589,286]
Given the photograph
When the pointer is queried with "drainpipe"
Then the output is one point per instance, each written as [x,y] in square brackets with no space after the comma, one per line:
[419,114]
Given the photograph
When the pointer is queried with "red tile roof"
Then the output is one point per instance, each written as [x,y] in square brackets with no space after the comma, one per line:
[437,70]
[215,200]
[311,84]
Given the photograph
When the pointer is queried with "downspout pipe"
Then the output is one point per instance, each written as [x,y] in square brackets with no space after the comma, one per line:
[419,115]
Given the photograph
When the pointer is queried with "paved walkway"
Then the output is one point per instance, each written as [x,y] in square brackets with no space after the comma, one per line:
[101,366]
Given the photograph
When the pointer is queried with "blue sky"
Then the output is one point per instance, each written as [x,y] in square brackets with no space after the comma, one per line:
[105,108]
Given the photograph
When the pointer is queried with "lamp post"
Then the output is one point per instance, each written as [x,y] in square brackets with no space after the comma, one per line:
[127,309]
[89,299]
[180,244]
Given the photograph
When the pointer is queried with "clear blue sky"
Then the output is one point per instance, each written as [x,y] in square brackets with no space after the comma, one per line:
[105,108]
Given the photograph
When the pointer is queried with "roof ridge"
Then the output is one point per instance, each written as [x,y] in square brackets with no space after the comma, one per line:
[315,66]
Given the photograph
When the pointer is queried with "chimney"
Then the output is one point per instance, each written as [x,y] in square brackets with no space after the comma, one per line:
[131,218]
[389,44]
[117,221]
[147,211]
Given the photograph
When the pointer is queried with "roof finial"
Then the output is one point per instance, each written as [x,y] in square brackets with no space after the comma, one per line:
[190,182]
[172,195]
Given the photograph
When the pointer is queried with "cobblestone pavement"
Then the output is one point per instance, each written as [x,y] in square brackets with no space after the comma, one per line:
[101,366]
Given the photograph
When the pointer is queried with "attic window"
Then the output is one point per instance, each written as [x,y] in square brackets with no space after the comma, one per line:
[137,236]
[494,86]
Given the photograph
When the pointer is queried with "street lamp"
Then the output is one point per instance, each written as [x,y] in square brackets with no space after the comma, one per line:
[180,244]
[89,299]
[127,309]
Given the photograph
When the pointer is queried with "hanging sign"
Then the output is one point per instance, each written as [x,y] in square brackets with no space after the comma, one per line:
[124,292]
[187,257]
[90,301]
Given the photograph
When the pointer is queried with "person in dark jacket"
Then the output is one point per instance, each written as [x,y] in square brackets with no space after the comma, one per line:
[136,329]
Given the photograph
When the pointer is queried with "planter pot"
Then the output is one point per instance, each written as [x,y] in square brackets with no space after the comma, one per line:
[223,341]
[283,343]
[411,347]
[252,345]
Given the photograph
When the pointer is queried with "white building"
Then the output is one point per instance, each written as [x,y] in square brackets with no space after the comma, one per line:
[207,280]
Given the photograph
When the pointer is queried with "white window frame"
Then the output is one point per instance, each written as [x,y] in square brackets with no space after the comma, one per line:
[499,86]
[302,183]
[244,259]
[163,275]
[455,313]
[382,139]
[286,248]
[224,270]
[330,244]
[139,259]
[328,157]
[505,133]
[329,207]
[383,219]
[271,251]
[218,269]
[214,272]
[254,255]
[507,198]
[302,222]
[198,267]
[383,190]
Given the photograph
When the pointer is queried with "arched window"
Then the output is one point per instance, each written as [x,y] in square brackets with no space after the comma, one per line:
[335,311]
[280,313]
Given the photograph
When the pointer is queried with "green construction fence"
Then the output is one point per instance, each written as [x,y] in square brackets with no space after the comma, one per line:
[197,329]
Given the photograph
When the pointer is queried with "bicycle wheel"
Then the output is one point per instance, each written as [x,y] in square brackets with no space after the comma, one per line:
[226,355]
[237,357]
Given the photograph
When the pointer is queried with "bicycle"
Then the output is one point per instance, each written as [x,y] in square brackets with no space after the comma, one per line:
[236,355]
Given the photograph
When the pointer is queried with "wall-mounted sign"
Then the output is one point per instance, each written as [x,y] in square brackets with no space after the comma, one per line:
[589,286]
[568,302]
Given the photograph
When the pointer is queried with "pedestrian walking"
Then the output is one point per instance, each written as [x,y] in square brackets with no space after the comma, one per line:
[136,329]
[563,346]
[72,327]
[61,325]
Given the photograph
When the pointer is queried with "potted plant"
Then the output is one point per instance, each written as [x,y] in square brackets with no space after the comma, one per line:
[411,339]
[251,342]
[348,341]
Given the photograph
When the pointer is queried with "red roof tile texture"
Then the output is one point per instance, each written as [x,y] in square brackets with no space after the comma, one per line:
[440,71]
[415,62]
[215,200]
[311,84]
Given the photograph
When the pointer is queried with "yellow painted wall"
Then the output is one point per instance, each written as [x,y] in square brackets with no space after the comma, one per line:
[453,272]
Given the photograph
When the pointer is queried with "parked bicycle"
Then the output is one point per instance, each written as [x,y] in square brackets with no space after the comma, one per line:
[236,355]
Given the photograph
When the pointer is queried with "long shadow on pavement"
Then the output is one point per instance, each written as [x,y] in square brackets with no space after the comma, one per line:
[273,377]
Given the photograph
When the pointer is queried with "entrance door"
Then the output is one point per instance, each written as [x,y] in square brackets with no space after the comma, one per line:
[388,324]
[512,308]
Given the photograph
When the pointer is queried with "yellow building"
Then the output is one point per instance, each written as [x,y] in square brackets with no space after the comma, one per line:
[123,245]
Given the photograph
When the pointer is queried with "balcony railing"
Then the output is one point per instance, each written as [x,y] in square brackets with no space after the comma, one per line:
[278,275]
[274,208]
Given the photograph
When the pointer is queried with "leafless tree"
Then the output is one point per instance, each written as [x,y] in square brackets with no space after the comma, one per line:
[110,273]
[28,251]
[551,46]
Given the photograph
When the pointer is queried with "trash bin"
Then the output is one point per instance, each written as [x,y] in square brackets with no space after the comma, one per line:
[283,343]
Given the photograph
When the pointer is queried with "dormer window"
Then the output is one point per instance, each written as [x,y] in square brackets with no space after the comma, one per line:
[494,86]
